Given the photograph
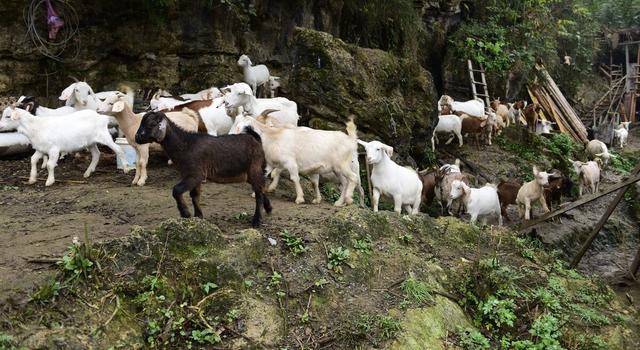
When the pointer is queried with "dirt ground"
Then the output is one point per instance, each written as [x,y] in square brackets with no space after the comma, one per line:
[37,224]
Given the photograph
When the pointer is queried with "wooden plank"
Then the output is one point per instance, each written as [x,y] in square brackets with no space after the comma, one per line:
[578,203]
[612,206]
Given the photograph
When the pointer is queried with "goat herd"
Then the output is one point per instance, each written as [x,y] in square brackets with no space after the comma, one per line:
[229,135]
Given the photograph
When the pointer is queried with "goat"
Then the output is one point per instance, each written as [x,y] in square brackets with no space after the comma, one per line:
[533,191]
[472,107]
[621,133]
[478,201]
[72,132]
[445,176]
[253,75]
[285,111]
[206,94]
[479,127]
[507,193]
[237,88]
[199,157]
[598,149]
[588,174]
[388,178]
[30,104]
[306,151]
[516,111]
[558,186]
[79,95]
[447,124]
[428,179]
[544,127]
[273,85]
[117,105]
[502,112]
[531,116]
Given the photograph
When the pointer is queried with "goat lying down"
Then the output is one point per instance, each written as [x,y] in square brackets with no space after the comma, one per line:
[199,157]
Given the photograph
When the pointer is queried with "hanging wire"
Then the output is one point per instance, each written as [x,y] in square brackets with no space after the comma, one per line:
[35,17]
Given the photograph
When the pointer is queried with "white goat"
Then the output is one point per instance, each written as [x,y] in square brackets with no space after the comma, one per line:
[532,191]
[598,149]
[273,84]
[478,201]
[30,104]
[253,75]
[286,111]
[589,175]
[79,95]
[544,127]
[237,88]
[52,135]
[401,184]
[450,124]
[305,151]
[472,107]
[216,118]
[206,94]
[622,133]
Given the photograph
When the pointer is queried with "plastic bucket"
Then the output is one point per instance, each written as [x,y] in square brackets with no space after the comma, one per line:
[129,152]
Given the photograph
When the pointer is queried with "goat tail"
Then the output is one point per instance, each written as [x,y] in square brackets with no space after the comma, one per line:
[352,131]
[249,130]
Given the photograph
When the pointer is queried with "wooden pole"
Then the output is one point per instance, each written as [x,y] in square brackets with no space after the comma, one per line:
[366,164]
[612,206]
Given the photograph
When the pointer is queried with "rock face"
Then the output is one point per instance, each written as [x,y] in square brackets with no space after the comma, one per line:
[188,46]
[392,98]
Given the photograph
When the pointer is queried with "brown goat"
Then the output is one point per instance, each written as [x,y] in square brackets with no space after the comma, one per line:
[507,193]
[478,127]
[194,106]
[502,114]
[559,185]
[428,179]
[198,157]
[531,116]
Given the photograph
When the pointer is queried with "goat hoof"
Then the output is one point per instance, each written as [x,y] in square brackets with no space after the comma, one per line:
[140,183]
[317,201]
[299,200]
[87,174]
[338,204]
[49,182]
[32,181]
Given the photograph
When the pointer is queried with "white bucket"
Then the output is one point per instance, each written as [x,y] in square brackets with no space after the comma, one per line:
[129,152]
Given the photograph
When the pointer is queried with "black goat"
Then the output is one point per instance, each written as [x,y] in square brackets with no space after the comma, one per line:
[198,157]
[559,185]
[28,103]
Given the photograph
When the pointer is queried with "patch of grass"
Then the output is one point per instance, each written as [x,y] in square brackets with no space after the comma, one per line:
[371,329]
[293,242]
[48,291]
[417,292]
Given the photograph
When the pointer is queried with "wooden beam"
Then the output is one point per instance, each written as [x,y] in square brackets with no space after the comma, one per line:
[596,230]
[635,265]
[578,203]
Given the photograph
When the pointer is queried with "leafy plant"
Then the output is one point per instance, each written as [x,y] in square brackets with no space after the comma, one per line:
[471,339]
[362,245]
[499,312]
[206,336]
[209,286]
[47,291]
[337,257]
[293,242]
[373,329]
[406,238]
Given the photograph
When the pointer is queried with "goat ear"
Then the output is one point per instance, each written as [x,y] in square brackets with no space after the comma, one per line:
[457,162]
[66,93]
[363,143]
[118,107]
[535,171]
[389,150]
[163,125]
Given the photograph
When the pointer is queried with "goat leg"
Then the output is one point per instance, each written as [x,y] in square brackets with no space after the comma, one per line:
[195,199]
[178,190]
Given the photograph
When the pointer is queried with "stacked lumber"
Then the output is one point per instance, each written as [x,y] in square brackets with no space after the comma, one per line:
[556,107]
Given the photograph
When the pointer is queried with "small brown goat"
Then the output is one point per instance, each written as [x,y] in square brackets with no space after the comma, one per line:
[478,127]
[531,116]
[507,193]
[198,157]
[428,178]
[558,186]
[502,113]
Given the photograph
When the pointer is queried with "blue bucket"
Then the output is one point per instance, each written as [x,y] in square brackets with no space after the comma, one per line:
[129,152]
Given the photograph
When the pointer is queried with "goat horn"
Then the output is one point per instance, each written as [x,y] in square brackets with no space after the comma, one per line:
[266,112]
[74,78]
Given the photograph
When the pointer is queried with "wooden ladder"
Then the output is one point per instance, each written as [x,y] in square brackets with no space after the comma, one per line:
[476,85]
